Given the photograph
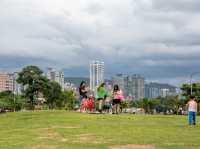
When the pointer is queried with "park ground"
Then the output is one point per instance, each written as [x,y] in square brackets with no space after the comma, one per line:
[61,129]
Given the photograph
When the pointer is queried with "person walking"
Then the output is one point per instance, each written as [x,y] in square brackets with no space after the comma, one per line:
[101,95]
[117,98]
[83,94]
[192,110]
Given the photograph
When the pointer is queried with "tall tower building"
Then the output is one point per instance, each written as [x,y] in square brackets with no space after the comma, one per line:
[57,76]
[96,74]
[137,86]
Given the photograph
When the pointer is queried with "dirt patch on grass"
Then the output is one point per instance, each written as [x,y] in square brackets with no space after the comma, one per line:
[90,138]
[133,146]
[43,147]
[84,138]
[64,127]
[47,133]
[50,134]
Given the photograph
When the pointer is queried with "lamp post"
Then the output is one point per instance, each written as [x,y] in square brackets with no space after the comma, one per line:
[191,86]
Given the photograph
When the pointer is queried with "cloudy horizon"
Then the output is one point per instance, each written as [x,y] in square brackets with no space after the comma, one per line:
[158,39]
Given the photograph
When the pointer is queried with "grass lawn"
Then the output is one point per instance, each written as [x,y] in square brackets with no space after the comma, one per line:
[61,129]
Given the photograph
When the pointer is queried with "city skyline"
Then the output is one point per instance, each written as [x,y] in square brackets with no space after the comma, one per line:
[74,73]
[155,38]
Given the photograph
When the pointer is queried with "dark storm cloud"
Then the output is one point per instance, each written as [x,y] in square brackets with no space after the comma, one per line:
[15,63]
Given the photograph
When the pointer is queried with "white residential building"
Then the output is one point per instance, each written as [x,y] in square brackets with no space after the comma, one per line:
[6,82]
[57,76]
[96,74]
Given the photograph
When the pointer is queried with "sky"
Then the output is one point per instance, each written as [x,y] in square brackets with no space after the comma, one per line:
[159,39]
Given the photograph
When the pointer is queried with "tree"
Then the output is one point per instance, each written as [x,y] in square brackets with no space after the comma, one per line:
[5,99]
[124,104]
[146,105]
[10,101]
[172,103]
[69,100]
[34,83]
[186,88]
[160,104]
[153,103]
[53,95]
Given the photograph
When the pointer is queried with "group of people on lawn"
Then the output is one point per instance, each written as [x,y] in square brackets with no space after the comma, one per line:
[108,102]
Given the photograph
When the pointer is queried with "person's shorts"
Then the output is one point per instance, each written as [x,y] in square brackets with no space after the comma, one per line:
[116,101]
[107,106]
[81,97]
[99,99]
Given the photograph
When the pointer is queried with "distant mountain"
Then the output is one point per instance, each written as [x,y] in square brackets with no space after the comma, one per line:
[77,80]
[161,86]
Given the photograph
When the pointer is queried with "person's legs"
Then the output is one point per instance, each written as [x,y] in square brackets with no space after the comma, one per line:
[84,105]
[118,104]
[114,108]
[80,103]
[190,118]
[100,105]
[117,108]
[194,118]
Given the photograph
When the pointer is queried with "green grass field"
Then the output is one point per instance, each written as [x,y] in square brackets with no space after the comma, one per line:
[61,129]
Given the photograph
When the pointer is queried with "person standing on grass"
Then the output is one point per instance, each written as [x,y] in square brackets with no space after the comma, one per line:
[192,110]
[117,98]
[82,92]
[101,95]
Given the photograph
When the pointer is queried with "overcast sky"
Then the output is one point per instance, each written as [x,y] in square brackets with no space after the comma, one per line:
[159,39]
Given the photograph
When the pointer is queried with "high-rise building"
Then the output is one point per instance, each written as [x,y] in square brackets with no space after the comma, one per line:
[165,92]
[6,82]
[136,86]
[96,74]
[57,76]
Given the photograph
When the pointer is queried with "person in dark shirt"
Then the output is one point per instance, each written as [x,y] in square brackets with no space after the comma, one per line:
[82,90]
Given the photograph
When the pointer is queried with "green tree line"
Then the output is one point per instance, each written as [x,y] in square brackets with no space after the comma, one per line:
[36,87]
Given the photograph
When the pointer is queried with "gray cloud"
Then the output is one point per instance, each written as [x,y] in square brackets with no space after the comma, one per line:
[178,5]
[157,38]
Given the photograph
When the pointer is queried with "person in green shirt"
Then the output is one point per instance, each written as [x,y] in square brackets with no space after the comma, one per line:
[101,95]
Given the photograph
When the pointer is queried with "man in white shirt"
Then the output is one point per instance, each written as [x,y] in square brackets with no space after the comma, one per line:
[192,110]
